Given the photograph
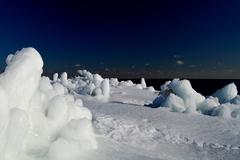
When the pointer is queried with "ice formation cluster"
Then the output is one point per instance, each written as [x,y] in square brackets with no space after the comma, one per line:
[95,85]
[85,84]
[179,96]
[38,117]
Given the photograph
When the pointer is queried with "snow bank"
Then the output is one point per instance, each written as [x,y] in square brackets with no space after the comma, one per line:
[37,118]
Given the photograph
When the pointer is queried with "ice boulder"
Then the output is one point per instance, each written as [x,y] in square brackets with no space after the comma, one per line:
[114,82]
[89,84]
[178,91]
[64,79]
[164,86]
[21,77]
[208,105]
[236,100]
[226,93]
[227,110]
[55,77]
[97,79]
[183,89]
[175,103]
[160,99]
[36,114]
[223,110]
[97,92]
[105,88]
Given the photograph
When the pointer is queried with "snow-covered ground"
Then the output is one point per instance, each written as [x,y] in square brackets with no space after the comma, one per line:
[131,131]
[91,118]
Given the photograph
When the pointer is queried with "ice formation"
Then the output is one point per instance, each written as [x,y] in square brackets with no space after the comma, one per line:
[38,118]
[86,84]
[143,83]
[227,93]
[95,85]
[179,96]
[184,94]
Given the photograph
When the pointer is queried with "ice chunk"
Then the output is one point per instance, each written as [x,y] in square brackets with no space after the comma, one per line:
[183,89]
[97,92]
[175,103]
[223,110]
[143,83]
[64,79]
[208,105]
[164,86]
[158,101]
[105,88]
[226,93]
[236,100]
[180,91]
[114,82]
[55,77]
[97,79]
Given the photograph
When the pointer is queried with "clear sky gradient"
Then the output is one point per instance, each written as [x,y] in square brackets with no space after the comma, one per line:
[165,39]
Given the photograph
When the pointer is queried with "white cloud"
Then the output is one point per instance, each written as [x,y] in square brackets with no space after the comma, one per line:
[179,62]
[77,65]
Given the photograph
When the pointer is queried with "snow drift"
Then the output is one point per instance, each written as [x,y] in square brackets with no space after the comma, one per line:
[37,118]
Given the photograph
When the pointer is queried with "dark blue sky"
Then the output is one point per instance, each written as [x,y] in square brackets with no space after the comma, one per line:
[165,39]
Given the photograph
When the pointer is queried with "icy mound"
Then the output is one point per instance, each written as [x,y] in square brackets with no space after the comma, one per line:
[85,84]
[179,96]
[227,93]
[38,119]
[141,86]
[89,84]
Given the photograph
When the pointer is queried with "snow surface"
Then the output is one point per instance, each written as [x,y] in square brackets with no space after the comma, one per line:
[89,117]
